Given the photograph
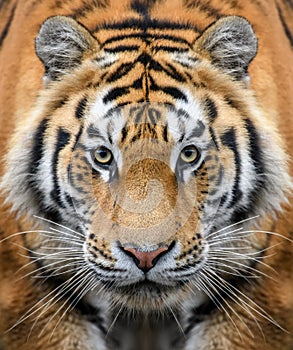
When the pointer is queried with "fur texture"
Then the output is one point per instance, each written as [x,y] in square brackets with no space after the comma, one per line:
[146,183]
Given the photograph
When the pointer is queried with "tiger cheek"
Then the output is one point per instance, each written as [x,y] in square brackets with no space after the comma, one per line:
[197,191]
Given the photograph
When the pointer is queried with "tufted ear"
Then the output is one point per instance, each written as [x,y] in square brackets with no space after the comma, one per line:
[61,44]
[230,44]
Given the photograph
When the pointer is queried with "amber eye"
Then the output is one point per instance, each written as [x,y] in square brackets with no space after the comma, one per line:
[189,154]
[103,156]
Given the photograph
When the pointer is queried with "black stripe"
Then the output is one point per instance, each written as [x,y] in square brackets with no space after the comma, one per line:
[138,113]
[63,138]
[7,25]
[198,130]
[115,93]
[211,109]
[213,136]
[285,27]
[77,138]
[69,200]
[254,149]
[146,24]
[206,8]
[118,92]
[36,156]
[133,112]
[154,116]
[123,134]
[229,140]
[173,73]
[38,147]
[174,92]
[145,37]
[182,113]
[165,134]
[145,59]
[122,70]
[220,176]
[79,112]
[59,103]
[92,314]
[86,8]
[142,8]
[137,84]
[171,49]
[260,178]
[93,131]
[122,48]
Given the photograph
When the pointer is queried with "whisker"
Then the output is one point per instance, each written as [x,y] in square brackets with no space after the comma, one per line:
[256,308]
[57,224]
[219,287]
[70,241]
[72,283]
[270,233]
[47,268]
[32,310]
[216,261]
[114,320]
[215,288]
[176,319]
[23,233]
[232,225]
[78,285]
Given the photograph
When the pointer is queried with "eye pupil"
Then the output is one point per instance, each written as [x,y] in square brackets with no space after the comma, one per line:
[189,154]
[103,156]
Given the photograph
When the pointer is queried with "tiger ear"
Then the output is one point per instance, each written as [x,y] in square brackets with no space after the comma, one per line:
[61,44]
[230,44]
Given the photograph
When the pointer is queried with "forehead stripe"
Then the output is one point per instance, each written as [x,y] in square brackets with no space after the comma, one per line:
[122,70]
[115,93]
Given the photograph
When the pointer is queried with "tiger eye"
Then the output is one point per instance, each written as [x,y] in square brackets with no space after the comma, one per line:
[103,156]
[189,154]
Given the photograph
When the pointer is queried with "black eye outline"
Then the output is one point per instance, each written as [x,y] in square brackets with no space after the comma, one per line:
[100,160]
[195,156]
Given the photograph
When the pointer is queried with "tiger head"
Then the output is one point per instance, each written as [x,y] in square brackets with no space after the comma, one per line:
[146,148]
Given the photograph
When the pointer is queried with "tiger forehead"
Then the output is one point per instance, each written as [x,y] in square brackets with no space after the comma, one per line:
[145,122]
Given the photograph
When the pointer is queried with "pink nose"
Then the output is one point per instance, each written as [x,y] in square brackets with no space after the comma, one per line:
[145,260]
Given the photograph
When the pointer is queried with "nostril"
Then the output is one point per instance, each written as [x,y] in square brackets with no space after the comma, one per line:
[128,252]
[171,246]
[145,260]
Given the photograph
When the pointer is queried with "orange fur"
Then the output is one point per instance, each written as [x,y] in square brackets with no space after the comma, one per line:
[24,104]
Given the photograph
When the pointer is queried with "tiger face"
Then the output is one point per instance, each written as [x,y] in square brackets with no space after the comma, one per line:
[142,194]
[146,161]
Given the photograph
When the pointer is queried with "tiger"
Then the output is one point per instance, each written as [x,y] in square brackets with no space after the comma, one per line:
[146,179]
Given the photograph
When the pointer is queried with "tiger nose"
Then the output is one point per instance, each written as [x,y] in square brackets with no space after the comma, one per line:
[145,260]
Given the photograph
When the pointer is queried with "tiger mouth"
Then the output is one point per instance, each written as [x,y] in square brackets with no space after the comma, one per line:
[146,287]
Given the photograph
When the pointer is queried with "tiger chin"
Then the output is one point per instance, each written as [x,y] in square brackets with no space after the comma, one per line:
[146,175]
